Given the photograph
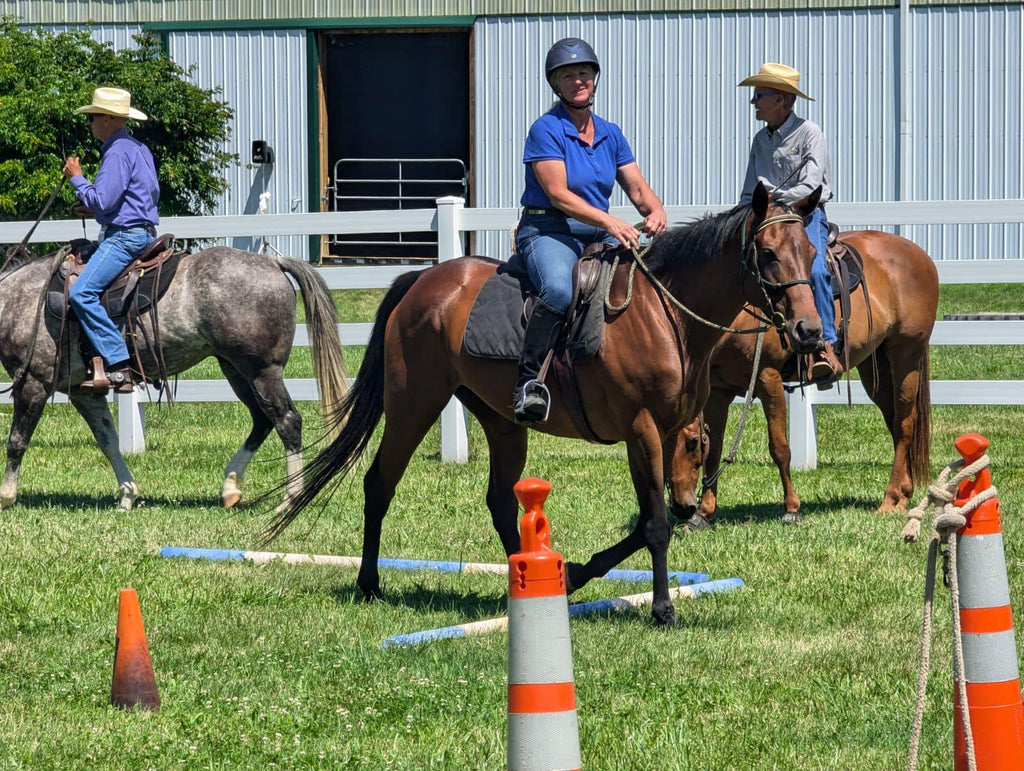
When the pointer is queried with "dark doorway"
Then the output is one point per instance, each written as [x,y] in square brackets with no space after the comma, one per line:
[397,107]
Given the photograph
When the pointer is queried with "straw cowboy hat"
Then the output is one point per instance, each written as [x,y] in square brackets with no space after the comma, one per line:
[779,77]
[112,101]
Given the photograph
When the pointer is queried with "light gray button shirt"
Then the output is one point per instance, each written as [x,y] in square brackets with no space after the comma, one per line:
[775,155]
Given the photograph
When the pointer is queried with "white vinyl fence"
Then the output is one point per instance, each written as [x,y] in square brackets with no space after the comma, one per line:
[451,220]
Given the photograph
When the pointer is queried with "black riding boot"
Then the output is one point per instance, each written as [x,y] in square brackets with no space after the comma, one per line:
[530,397]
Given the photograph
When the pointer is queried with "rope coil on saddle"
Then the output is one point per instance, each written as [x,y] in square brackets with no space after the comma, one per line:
[946,521]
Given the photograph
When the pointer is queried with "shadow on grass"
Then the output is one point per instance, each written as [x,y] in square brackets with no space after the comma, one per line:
[93,502]
[770,512]
[468,604]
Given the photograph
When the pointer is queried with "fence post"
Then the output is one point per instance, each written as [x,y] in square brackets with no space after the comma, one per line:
[803,437]
[454,441]
[131,432]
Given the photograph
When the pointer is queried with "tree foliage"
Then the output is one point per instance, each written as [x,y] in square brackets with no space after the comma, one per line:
[45,76]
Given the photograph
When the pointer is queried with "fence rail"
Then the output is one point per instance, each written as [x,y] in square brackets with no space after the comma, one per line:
[450,220]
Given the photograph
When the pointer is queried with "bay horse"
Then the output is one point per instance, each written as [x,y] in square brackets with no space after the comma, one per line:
[236,306]
[648,379]
[890,354]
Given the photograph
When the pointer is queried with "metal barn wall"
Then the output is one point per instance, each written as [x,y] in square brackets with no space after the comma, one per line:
[669,80]
[262,74]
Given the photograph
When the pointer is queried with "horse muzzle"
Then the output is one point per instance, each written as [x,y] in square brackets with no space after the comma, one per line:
[805,334]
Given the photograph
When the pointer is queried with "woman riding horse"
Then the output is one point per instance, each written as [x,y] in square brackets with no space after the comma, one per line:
[573,159]
[648,379]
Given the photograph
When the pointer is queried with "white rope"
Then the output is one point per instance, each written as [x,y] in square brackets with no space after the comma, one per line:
[947,520]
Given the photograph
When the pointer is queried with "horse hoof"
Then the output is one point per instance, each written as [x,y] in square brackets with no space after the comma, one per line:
[664,613]
[129,492]
[697,522]
[6,501]
[792,518]
[231,494]
[372,594]
[573,579]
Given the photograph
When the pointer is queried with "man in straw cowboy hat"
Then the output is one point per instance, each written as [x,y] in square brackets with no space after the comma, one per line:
[790,156]
[123,199]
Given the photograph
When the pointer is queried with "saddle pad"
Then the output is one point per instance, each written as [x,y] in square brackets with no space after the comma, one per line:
[496,326]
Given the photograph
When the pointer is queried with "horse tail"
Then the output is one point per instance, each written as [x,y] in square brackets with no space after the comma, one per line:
[322,325]
[361,410]
[920,448]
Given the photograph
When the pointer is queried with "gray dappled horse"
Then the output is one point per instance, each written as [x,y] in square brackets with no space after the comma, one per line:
[236,306]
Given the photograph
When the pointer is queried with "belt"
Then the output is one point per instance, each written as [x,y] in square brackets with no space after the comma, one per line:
[151,229]
[532,210]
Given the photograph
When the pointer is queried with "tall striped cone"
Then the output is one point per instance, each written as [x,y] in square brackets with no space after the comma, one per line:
[134,684]
[990,655]
[542,728]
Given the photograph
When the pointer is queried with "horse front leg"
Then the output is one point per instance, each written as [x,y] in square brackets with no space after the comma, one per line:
[716,414]
[96,411]
[652,529]
[29,399]
[773,400]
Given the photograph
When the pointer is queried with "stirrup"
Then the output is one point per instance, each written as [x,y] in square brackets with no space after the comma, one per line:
[531,397]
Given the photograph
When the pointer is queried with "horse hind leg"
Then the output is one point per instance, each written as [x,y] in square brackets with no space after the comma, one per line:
[270,407]
[407,418]
[29,400]
[506,444]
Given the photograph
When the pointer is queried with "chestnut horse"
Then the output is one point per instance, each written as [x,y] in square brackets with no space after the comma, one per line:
[648,380]
[891,356]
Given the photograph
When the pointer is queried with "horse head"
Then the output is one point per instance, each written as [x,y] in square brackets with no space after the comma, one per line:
[688,457]
[777,266]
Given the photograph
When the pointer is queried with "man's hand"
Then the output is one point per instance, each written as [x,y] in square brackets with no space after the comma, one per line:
[72,166]
[81,211]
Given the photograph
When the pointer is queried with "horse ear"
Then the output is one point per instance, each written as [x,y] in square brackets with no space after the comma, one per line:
[807,205]
[760,200]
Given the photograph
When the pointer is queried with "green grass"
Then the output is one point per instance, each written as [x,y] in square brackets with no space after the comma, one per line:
[811,666]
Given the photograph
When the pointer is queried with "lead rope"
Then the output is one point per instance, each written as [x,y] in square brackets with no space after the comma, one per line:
[947,520]
[734,448]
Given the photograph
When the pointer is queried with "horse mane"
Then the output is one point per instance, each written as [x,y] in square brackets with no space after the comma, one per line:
[689,246]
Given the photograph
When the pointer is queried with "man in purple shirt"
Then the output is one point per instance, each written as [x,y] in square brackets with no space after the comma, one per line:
[123,199]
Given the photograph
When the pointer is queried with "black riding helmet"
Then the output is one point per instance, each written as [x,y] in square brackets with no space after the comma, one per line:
[570,50]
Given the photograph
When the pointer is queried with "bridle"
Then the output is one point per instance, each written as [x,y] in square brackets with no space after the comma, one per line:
[748,265]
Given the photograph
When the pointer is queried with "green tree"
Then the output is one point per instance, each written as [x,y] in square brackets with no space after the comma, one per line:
[45,76]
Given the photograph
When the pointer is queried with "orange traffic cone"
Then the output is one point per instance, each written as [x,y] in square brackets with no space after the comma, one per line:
[542,728]
[134,683]
[989,652]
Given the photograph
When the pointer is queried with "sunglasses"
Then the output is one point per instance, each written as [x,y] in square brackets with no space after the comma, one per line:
[90,117]
[759,94]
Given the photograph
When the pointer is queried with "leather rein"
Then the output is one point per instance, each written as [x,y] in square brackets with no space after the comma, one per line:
[748,264]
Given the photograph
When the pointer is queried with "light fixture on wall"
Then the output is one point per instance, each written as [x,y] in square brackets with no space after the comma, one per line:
[262,152]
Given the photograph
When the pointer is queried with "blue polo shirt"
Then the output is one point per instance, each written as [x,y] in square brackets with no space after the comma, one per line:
[590,169]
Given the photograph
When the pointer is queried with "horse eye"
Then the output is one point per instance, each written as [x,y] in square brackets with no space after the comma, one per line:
[691,444]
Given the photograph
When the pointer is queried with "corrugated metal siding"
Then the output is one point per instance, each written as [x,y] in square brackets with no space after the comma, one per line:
[262,74]
[158,11]
[966,118]
[669,80]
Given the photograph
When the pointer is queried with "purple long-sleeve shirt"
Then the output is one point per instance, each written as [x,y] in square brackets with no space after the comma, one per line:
[126,190]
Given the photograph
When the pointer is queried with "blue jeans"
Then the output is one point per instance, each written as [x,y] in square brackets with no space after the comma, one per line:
[821,281]
[549,245]
[115,252]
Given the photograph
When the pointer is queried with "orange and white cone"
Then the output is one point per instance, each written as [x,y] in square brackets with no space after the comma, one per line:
[134,684]
[989,653]
[542,728]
